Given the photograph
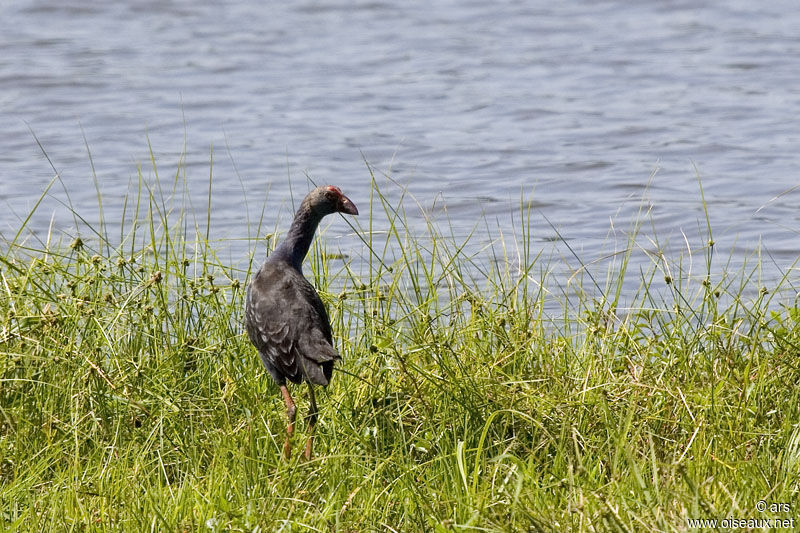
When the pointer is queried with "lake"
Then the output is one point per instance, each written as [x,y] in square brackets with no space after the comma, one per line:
[599,113]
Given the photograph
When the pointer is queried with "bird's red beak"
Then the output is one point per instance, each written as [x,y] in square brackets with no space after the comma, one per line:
[347,206]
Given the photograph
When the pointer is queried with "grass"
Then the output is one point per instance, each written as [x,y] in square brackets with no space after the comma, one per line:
[130,400]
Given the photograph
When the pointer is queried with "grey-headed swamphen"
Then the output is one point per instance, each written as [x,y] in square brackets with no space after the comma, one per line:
[285,317]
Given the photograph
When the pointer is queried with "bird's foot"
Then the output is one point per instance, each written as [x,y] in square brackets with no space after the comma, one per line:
[309,453]
[287,449]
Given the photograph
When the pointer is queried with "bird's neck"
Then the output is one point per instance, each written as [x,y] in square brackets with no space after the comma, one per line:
[298,241]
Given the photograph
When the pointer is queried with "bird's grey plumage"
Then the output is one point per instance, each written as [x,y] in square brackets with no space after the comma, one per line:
[288,324]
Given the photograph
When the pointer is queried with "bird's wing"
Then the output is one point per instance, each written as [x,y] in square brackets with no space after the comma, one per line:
[287,322]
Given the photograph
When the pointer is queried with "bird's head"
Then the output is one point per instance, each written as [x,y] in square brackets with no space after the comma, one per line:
[330,199]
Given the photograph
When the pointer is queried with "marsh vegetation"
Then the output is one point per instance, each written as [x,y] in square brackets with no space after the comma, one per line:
[130,399]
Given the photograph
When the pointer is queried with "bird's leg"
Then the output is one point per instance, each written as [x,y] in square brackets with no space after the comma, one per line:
[312,421]
[291,411]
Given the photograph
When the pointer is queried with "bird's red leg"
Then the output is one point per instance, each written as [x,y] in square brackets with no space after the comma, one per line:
[312,421]
[291,411]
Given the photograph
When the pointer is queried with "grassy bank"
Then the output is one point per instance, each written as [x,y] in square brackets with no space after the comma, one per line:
[131,400]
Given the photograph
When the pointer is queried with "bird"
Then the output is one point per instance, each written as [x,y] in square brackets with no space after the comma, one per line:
[284,316]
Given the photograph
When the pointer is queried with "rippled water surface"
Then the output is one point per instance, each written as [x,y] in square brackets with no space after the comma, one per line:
[593,110]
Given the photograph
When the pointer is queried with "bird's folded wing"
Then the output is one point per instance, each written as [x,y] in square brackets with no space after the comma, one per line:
[287,321]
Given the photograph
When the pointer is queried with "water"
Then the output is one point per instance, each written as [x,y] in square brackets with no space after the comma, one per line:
[592,110]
